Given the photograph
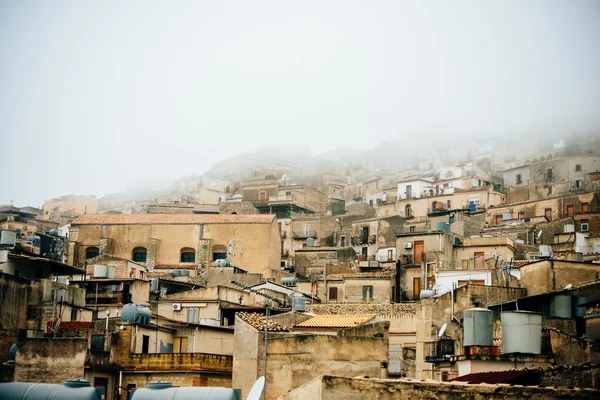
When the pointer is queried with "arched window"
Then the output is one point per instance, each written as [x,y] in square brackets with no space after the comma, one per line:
[91,252]
[188,255]
[219,251]
[407,211]
[139,254]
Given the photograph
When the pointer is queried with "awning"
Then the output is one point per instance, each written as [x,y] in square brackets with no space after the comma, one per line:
[194,305]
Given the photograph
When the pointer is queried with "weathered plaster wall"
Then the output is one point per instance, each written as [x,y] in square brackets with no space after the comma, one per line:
[50,360]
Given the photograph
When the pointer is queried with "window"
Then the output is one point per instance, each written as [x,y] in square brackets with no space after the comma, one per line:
[333,294]
[570,210]
[549,190]
[412,229]
[193,313]
[305,229]
[371,203]
[449,204]
[521,215]
[342,241]
[219,252]
[91,252]
[408,191]
[139,254]
[145,344]
[548,214]
[578,184]
[577,167]
[519,179]
[188,255]
[584,225]
[585,207]
[97,343]
[367,293]
[549,173]
[407,211]
[180,345]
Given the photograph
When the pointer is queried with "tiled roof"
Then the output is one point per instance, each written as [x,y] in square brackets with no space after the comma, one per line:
[258,322]
[336,321]
[141,219]
[515,377]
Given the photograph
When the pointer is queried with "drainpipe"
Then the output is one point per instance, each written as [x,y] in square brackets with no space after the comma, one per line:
[120,381]
[452,301]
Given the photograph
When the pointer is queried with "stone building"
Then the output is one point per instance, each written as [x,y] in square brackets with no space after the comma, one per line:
[66,208]
[172,241]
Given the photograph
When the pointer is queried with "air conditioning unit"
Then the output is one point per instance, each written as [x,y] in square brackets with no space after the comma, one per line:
[408,245]
[176,307]
[287,222]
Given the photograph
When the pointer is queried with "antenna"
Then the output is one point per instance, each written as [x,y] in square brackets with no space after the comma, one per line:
[257,389]
[442,330]
[539,235]
[569,286]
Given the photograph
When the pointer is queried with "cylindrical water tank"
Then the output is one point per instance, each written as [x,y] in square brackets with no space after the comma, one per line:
[159,390]
[136,313]
[521,332]
[560,306]
[426,293]
[110,272]
[75,389]
[478,326]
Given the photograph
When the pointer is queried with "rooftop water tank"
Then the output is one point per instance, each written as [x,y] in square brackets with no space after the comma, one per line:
[291,281]
[7,238]
[478,327]
[100,271]
[298,302]
[136,314]
[310,242]
[12,354]
[76,389]
[521,332]
[560,306]
[426,293]
[159,390]
[545,251]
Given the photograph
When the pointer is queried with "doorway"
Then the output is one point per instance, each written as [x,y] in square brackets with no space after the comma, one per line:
[416,287]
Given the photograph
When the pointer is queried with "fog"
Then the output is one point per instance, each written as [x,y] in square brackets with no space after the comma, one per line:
[97,95]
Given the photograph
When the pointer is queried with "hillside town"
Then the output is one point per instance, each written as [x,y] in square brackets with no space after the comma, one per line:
[348,275]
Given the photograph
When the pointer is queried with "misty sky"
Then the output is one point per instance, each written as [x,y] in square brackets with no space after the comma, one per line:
[95,95]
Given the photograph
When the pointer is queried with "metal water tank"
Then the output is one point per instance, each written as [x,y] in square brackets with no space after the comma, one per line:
[298,302]
[310,242]
[110,272]
[159,390]
[478,327]
[7,238]
[136,314]
[426,293]
[76,389]
[521,332]
[12,354]
[560,306]
[100,271]
[291,281]
[442,226]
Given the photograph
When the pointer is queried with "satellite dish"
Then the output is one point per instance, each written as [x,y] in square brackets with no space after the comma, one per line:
[540,234]
[257,389]
[569,286]
[442,331]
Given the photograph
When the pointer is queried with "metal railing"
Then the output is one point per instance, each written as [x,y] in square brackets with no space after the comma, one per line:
[311,233]
[439,350]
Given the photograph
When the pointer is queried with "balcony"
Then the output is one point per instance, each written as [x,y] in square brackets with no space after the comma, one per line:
[407,259]
[104,298]
[385,259]
[311,233]
[439,350]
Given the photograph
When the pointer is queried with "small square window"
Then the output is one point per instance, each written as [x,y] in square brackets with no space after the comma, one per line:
[584,225]
[585,207]
[577,167]
[413,229]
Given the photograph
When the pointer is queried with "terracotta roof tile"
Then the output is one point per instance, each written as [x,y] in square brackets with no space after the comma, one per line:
[360,275]
[336,321]
[141,219]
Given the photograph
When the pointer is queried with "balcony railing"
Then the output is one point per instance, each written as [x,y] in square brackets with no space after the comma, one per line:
[439,350]
[407,259]
[305,234]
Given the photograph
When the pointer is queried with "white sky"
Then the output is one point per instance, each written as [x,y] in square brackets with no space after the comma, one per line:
[95,95]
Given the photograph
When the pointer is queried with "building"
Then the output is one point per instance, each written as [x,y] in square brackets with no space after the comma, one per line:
[66,208]
[174,241]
